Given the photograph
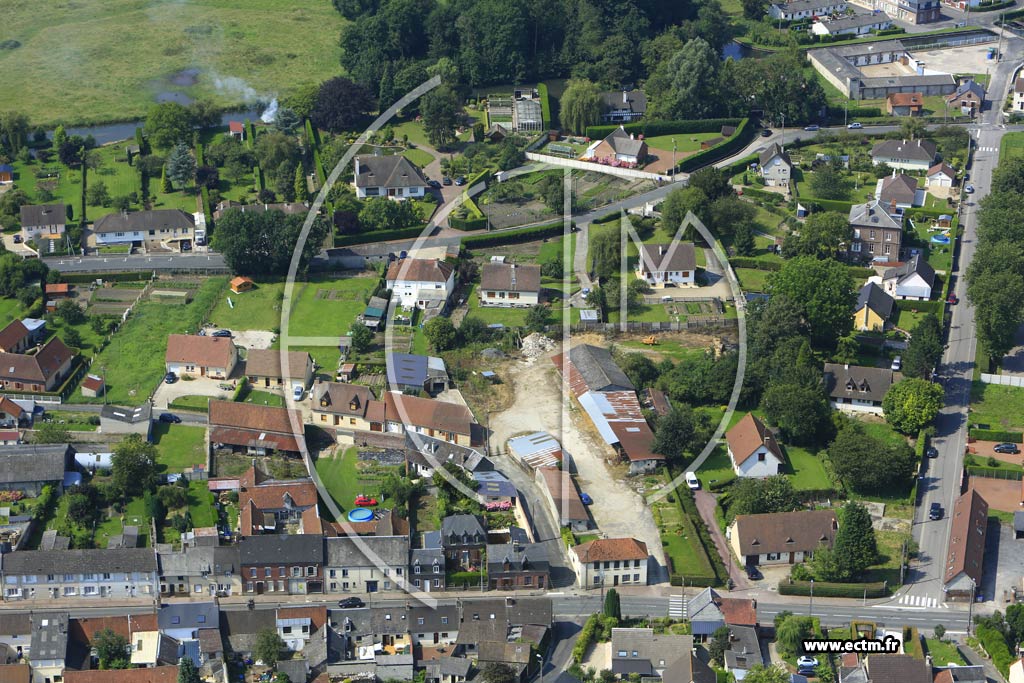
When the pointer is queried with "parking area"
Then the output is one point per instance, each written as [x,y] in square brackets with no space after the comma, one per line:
[986,449]
[202,386]
[1004,558]
[248,339]
[971,59]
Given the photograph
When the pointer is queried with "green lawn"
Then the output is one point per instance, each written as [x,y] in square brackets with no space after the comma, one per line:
[418,157]
[9,310]
[943,653]
[685,142]
[808,470]
[327,308]
[199,403]
[134,359]
[509,317]
[652,313]
[265,398]
[178,446]
[251,48]
[200,504]
[752,279]
[343,480]
[883,432]
[257,309]
[324,357]
[414,130]
[1012,145]
[668,348]
[717,468]
[998,406]
[680,541]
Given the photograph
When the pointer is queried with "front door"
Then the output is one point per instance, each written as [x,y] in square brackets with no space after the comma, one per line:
[616,580]
[436,638]
[371,586]
[426,585]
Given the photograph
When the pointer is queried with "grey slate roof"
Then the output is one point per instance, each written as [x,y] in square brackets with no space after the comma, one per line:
[389,171]
[873,214]
[744,648]
[914,150]
[598,370]
[521,557]
[656,256]
[858,381]
[901,187]
[635,100]
[653,651]
[875,298]
[432,452]
[462,525]
[967,86]
[296,548]
[450,666]
[14,624]
[31,463]
[476,624]
[427,557]
[219,560]
[510,277]
[239,628]
[49,637]
[432,618]
[1018,520]
[916,264]
[43,214]
[195,615]
[702,609]
[157,219]
[622,143]
[296,670]
[346,551]
[118,560]
[774,150]
[898,669]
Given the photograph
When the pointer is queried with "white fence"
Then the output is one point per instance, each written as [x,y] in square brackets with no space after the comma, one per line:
[602,168]
[1007,380]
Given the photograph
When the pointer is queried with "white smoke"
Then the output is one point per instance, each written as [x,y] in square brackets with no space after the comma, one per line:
[270,113]
[237,87]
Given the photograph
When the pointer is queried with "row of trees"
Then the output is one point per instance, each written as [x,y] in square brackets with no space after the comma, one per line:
[262,242]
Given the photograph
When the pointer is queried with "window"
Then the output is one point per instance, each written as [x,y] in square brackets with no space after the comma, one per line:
[344,573]
[387,585]
[416,582]
[398,571]
[419,621]
[331,573]
[437,583]
[636,577]
[597,580]
[266,572]
[252,573]
[760,457]
[773,556]
[444,620]
[286,630]
[280,586]
[310,571]
[623,653]
[248,586]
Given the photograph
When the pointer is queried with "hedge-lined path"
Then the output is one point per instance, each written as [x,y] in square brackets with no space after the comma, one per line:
[706,506]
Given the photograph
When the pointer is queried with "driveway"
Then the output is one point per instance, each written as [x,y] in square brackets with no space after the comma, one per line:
[706,506]
[202,386]
[17,248]
[248,339]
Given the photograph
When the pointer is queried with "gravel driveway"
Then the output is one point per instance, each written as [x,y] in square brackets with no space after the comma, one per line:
[617,510]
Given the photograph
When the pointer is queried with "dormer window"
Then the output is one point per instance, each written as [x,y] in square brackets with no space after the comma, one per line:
[354,403]
[325,401]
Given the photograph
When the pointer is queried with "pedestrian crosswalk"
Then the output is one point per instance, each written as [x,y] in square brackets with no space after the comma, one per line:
[988,149]
[920,601]
[676,607]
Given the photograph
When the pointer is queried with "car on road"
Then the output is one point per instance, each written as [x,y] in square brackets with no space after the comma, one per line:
[221,333]
[753,573]
[170,417]
[1010,448]
[446,181]
[813,127]
[806,662]
[935,511]
[856,125]
[587,500]
[434,184]
[692,481]
[365,501]
[897,363]
[170,378]
[968,188]
[953,299]
[932,452]
[351,603]
[766,133]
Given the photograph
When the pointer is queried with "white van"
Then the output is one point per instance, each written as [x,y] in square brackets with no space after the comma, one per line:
[692,481]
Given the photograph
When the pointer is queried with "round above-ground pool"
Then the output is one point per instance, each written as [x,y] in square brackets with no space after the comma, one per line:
[940,239]
[360,515]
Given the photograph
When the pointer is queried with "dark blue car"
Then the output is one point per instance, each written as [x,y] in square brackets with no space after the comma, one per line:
[587,500]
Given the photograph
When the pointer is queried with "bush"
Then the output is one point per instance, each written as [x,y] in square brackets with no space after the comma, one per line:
[826,589]
[995,645]
[586,637]
[654,128]
[530,234]
[855,112]
[756,263]
[996,435]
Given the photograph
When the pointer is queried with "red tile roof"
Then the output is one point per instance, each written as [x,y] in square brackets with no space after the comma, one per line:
[316,615]
[203,351]
[738,611]
[968,528]
[9,407]
[611,549]
[92,382]
[236,126]
[419,270]
[60,288]
[39,367]
[253,417]
[159,674]
[251,439]
[430,413]
[13,335]
[748,435]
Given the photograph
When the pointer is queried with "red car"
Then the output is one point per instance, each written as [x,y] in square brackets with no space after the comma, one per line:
[365,501]
[952,299]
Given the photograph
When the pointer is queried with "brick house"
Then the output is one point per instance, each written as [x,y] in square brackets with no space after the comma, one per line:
[43,371]
[514,566]
[282,564]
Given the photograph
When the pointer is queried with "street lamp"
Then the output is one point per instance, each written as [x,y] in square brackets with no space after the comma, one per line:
[810,606]
[540,659]
[970,609]
[782,142]
[673,156]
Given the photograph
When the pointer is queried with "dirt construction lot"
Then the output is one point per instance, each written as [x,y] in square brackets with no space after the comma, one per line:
[538,406]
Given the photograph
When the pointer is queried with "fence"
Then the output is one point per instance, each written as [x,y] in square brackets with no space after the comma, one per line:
[697,322]
[994,473]
[1005,380]
[601,168]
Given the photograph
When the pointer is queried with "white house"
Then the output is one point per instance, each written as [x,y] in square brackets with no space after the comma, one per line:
[782,537]
[509,285]
[610,562]
[1018,95]
[910,155]
[805,9]
[774,166]
[859,25]
[941,175]
[857,388]
[42,219]
[753,449]
[165,229]
[662,265]
[111,573]
[365,564]
[394,177]
[912,280]
[416,281]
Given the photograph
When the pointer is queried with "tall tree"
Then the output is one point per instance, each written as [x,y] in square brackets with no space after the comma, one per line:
[681,433]
[341,105]
[912,404]
[801,413]
[133,465]
[167,124]
[112,649]
[263,242]
[998,298]
[268,647]
[750,496]
[187,672]
[612,606]
[825,291]
[14,128]
[760,673]
[720,642]
[678,204]
[440,109]
[580,106]
[865,464]
[686,86]
[823,235]
[924,349]
[301,187]
[855,547]
[181,165]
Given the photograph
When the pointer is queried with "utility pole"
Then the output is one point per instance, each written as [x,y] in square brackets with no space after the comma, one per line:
[846,110]
[810,606]
[673,157]
[970,609]
[782,143]
[999,48]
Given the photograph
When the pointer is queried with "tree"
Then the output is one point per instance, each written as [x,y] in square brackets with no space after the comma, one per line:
[682,432]
[276,151]
[262,242]
[72,338]
[767,674]
[383,214]
[678,204]
[302,99]
[70,312]
[301,186]
[187,672]
[97,194]
[340,105]
[287,120]
[81,510]
[912,404]
[998,298]
[60,136]
[50,432]
[112,649]
[208,177]
[580,105]
[712,182]
[268,647]
[750,496]
[829,182]
[133,465]
[167,124]
[181,165]
[165,182]
[825,292]
[855,547]
[800,412]
[865,464]
[362,337]
[719,644]
[823,235]
[686,85]
[440,109]
[753,9]
[537,317]
[496,672]
[925,348]
[640,369]
[791,633]
[441,333]
[14,129]
[612,606]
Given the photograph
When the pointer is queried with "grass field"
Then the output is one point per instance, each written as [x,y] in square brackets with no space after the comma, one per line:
[808,470]
[685,143]
[265,398]
[717,468]
[1012,145]
[257,309]
[998,406]
[200,403]
[327,308]
[418,157]
[134,359]
[752,279]
[178,446]
[97,62]
[943,653]
[342,478]
[200,504]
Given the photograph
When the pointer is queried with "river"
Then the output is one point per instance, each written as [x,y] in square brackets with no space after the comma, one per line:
[115,132]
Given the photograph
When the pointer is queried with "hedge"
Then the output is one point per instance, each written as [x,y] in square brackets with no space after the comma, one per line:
[651,129]
[995,645]
[920,306]
[992,7]
[755,263]
[919,449]
[996,435]
[467,224]
[250,134]
[314,144]
[531,234]
[545,106]
[858,271]
[826,589]
[689,508]
[378,236]
[743,135]
[587,635]
[140,140]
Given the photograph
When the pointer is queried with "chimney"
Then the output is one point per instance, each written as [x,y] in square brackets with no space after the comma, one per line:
[625,97]
[357,166]
[919,142]
[846,366]
[661,250]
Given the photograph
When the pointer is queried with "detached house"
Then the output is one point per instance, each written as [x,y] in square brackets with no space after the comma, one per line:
[903,103]
[774,166]
[394,177]
[912,280]
[909,155]
[969,97]
[43,221]
[873,309]
[610,562]
[898,191]
[618,149]
[347,407]
[15,338]
[160,229]
[753,449]
[263,367]
[419,282]
[877,231]
[623,106]
[43,371]
[190,355]
[508,285]
[664,265]
[782,537]
[941,175]
[1018,95]
[856,388]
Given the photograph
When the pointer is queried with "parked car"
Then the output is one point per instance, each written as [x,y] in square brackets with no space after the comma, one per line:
[968,188]
[17,239]
[856,125]
[766,133]
[897,363]
[932,452]
[953,299]
[935,511]
[813,127]
[221,333]
[587,500]
[351,603]
[186,246]
[169,417]
[461,180]
[365,501]
[446,181]
[692,481]
[434,184]
[170,378]
[1010,448]
[807,661]
[297,391]
[753,573]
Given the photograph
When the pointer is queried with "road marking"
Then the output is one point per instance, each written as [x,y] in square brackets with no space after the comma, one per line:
[676,607]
